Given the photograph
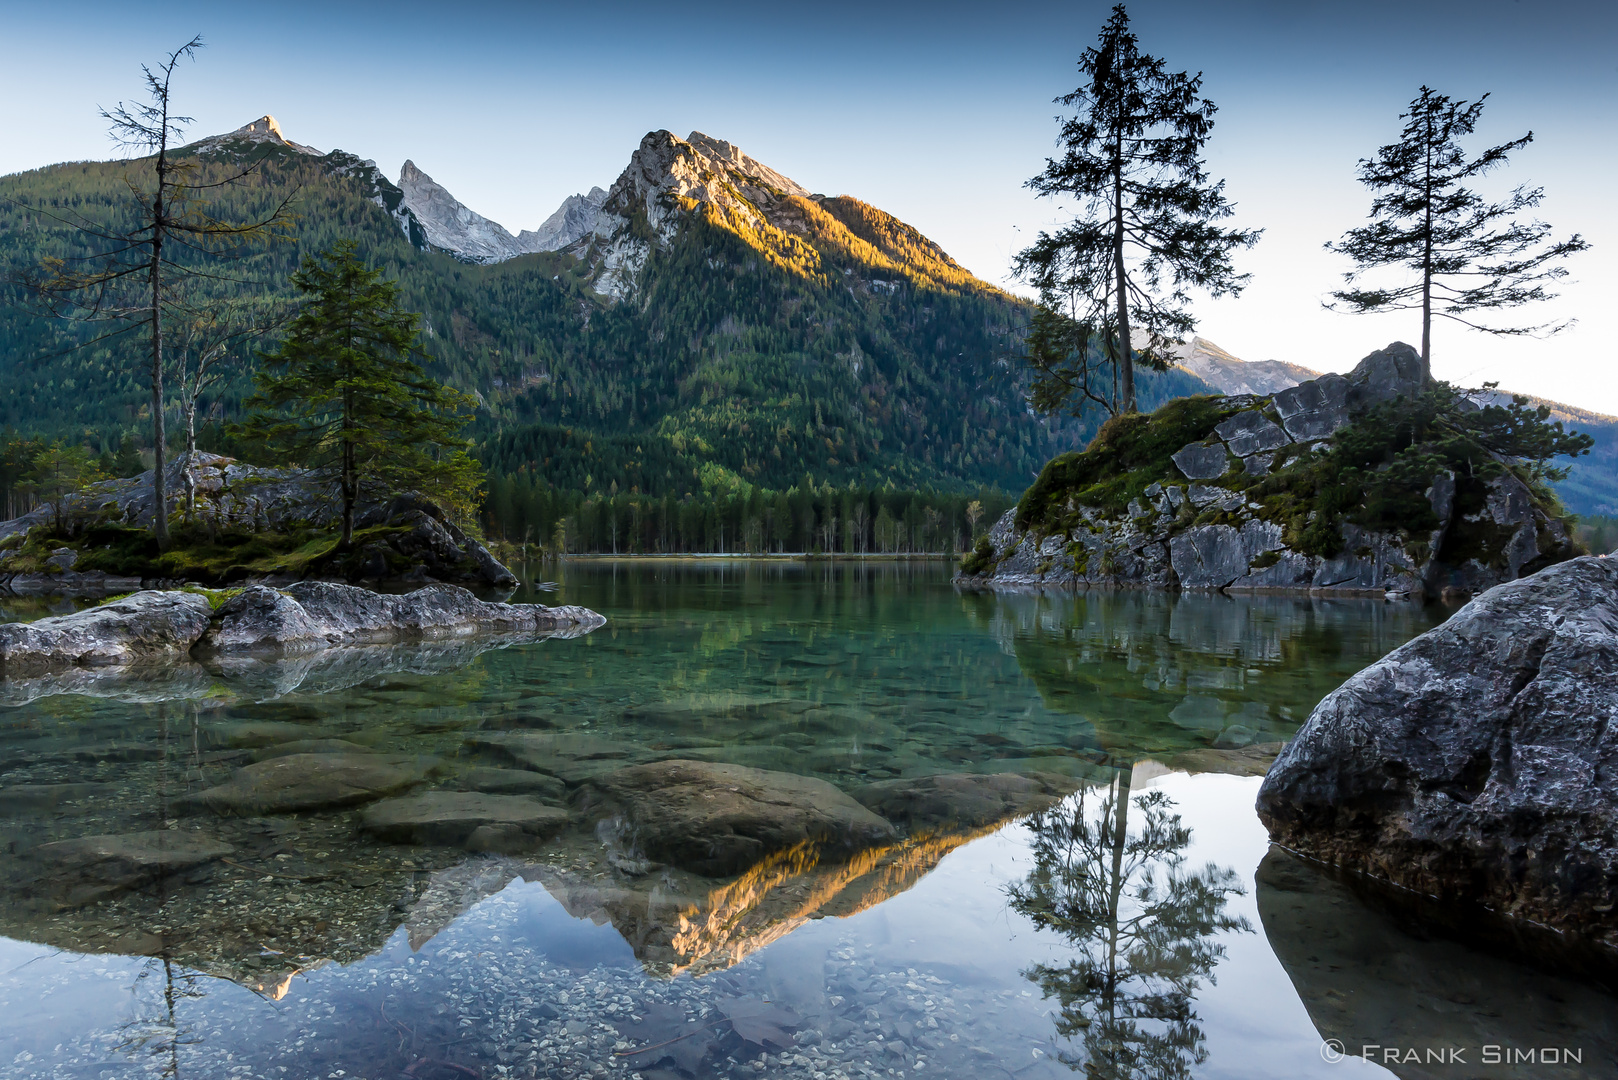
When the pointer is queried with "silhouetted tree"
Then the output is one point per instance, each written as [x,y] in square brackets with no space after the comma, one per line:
[131,280]
[1467,254]
[1146,234]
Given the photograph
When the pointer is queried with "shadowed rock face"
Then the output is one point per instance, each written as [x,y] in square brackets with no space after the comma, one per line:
[1476,762]
[1376,973]
[1154,544]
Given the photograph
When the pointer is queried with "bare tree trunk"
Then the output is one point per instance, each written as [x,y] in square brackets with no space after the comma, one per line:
[1126,357]
[160,505]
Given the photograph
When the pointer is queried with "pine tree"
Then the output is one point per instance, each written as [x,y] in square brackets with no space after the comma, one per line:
[343,394]
[1467,254]
[1113,283]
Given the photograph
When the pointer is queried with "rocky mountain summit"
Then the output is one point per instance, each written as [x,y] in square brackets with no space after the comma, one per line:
[1222,493]
[1229,374]
[1473,763]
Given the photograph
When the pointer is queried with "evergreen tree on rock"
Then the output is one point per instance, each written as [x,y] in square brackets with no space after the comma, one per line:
[1113,282]
[344,394]
[1465,253]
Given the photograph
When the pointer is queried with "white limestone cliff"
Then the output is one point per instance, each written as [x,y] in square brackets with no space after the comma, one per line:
[1231,375]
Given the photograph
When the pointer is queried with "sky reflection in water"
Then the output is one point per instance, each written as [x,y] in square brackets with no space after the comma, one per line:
[930,963]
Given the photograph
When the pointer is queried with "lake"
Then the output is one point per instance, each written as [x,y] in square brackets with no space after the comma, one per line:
[1137,925]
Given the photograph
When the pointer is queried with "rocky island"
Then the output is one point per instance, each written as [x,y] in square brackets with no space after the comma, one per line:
[1375,482]
[235,522]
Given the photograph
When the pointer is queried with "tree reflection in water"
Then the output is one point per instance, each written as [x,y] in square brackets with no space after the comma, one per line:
[1142,925]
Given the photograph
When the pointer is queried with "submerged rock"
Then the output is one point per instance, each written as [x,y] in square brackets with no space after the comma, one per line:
[512,782]
[454,817]
[78,872]
[311,782]
[969,800]
[1475,763]
[721,819]
[147,625]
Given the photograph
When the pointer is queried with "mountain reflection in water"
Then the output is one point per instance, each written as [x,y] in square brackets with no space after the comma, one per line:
[294,944]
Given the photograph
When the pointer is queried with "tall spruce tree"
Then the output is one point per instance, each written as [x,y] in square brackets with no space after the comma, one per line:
[1467,254]
[1113,282]
[343,394]
[132,278]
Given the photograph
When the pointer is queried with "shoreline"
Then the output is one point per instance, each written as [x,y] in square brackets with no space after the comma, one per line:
[787,556]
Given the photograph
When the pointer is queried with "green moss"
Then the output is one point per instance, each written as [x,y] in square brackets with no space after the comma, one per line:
[979,559]
[1127,456]
[1265,559]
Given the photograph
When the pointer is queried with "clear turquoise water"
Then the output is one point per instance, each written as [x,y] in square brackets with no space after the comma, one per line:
[1029,947]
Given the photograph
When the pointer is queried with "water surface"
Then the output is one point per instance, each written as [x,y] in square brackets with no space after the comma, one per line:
[1141,927]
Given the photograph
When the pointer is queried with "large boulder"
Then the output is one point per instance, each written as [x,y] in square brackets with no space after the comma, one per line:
[1476,762]
[719,819]
[228,494]
[144,626]
[310,615]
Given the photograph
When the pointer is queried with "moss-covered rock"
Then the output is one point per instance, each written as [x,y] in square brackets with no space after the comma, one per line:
[1371,482]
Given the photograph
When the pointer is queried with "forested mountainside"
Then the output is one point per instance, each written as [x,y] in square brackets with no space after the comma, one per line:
[689,336]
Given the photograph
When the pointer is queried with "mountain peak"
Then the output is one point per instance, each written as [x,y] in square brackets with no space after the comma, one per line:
[731,155]
[1230,374]
[266,129]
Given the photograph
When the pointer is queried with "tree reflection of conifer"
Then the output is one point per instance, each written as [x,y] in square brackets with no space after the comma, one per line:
[1142,926]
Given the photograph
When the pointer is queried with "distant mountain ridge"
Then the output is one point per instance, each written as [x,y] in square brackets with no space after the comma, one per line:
[776,331]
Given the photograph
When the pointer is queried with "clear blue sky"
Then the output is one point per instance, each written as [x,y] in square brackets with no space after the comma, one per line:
[936,112]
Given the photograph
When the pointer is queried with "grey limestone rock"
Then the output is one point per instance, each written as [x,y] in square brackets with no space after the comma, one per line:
[1475,763]
[1202,462]
[73,873]
[229,494]
[1155,541]
[299,782]
[147,625]
[1251,432]
[717,819]
[452,817]
[1214,556]
[311,615]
